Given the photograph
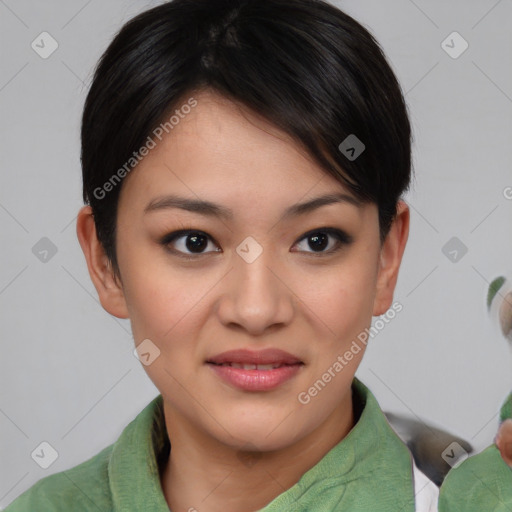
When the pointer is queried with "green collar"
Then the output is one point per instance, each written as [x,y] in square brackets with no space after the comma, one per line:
[370,469]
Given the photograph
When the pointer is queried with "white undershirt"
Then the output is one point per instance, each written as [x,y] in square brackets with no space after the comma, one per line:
[426,492]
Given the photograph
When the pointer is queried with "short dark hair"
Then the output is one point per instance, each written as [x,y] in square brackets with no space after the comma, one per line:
[304,65]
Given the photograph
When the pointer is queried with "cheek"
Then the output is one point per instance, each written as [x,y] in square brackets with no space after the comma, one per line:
[156,295]
[165,309]
[341,297]
[163,306]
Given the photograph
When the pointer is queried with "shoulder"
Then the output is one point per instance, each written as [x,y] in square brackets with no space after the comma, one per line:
[482,482]
[111,479]
[81,488]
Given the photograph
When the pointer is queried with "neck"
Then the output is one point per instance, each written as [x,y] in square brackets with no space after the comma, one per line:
[203,474]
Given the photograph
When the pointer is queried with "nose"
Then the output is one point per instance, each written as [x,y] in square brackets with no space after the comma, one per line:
[256,298]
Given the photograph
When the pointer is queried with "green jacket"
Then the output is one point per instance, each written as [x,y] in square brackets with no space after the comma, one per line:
[370,470]
[482,483]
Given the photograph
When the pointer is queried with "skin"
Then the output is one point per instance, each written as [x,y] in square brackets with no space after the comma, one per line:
[235,450]
[504,441]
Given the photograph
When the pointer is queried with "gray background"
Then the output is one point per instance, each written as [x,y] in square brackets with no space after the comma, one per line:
[68,374]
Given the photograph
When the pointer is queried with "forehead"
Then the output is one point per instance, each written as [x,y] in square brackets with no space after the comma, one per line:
[222,150]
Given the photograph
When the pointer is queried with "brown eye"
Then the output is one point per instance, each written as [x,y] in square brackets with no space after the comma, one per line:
[189,242]
[318,240]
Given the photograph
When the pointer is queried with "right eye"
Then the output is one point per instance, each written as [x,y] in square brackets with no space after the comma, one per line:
[194,241]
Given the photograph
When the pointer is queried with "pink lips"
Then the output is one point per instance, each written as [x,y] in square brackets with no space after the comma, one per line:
[255,371]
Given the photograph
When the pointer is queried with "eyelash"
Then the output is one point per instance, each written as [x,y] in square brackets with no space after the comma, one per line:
[342,239]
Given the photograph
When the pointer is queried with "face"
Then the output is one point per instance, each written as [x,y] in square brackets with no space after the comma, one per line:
[253,280]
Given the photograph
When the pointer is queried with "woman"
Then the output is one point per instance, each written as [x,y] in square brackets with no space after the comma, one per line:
[243,167]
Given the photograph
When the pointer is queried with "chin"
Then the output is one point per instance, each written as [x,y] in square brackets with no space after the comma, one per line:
[260,432]
[260,442]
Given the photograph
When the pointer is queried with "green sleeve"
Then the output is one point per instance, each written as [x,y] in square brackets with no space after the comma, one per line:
[482,482]
[506,410]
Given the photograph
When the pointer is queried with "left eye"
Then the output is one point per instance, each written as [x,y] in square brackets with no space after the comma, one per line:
[323,238]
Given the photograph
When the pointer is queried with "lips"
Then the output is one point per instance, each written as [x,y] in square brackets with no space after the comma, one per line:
[255,371]
[252,366]
[262,360]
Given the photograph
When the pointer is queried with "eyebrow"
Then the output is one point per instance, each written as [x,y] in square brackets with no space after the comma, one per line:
[216,210]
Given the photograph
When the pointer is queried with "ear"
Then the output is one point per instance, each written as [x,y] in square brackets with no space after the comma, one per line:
[390,258]
[110,291]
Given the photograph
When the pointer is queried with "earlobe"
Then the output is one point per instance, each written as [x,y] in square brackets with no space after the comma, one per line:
[109,290]
[390,258]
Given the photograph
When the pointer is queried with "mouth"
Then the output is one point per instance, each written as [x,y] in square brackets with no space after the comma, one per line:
[255,371]
[248,366]
[266,359]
